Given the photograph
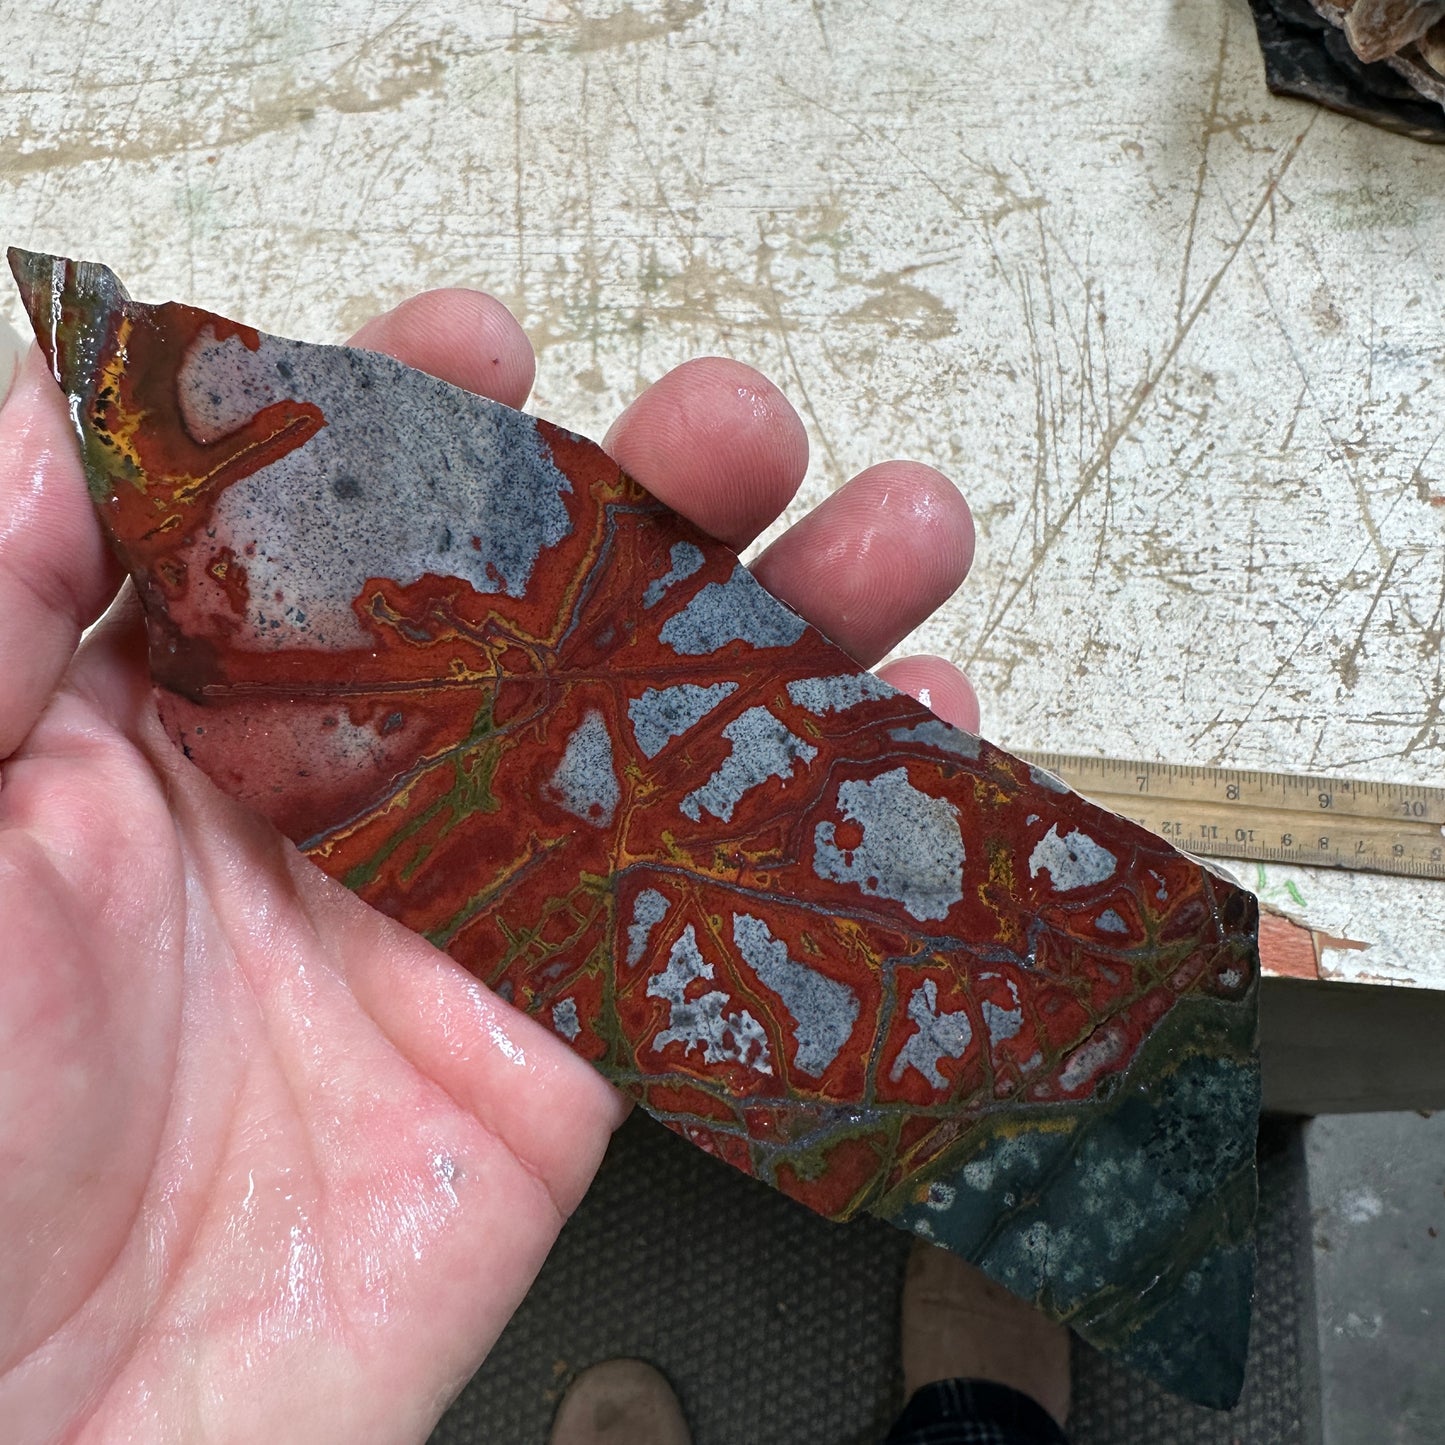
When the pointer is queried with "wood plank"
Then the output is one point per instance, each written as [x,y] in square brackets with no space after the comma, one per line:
[1329,1048]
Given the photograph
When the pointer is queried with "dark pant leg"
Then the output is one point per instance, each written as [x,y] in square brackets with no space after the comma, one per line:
[974,1412]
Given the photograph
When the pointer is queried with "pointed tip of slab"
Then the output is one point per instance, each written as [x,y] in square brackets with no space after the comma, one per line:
[34,274]
[53,287]
[1196,1344]
[28,268]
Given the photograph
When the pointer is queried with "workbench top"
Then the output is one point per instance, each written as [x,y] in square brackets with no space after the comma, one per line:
[1181,343]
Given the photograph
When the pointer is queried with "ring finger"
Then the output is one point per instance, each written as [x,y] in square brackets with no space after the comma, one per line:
[875,559]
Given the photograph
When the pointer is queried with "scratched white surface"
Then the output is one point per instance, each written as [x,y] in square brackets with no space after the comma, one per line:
[1182,343]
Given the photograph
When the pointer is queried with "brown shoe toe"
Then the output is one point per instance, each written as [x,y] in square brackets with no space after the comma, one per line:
[620,1402]
[959,1323]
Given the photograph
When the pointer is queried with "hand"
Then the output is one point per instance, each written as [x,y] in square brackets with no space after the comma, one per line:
[271,1166]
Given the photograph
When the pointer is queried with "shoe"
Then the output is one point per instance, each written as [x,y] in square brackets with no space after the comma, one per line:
[956,1322]
[620,1402]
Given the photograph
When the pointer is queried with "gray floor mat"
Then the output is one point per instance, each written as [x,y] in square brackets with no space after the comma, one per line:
[778,1328]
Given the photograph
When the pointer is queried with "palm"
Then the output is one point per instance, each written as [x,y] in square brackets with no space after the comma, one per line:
[271,1166]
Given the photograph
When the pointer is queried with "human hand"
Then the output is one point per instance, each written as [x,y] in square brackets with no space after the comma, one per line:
[271,1166]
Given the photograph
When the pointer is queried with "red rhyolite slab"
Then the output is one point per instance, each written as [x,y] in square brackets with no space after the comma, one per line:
[484,679]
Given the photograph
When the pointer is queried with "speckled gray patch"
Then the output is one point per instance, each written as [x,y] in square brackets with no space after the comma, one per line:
[738,610]
[939,1036]
[663,713]
[1110,922]
[1073,861]
[686,560]
[833,694]
[824,1010]
[736,1037]
[911,850]
[1002,1023]
[585,783]
[1084,1213]
[564,1018]
[400,492]
[649,908]
[762,748]
[934,733]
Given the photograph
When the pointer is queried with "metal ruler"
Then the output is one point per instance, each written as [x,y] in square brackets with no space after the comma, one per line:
[1321,822]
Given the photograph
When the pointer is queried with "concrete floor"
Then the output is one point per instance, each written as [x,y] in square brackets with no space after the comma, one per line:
[1377,1203]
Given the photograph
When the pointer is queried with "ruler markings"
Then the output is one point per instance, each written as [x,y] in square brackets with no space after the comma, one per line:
[1317,820]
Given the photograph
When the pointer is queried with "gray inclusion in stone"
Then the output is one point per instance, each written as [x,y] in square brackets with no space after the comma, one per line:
[911,850]
[1002,1023]
[649,908]
[833,694]
[1043,778]
[724,1038]
[940,1195]
[824,1010]
[936,734]
[564,1018]
[762,748]
[1110,922]
[663,713]
[686,559]
[408,477]
[738,610]
[940,1035]
[1073,861]
[585,783]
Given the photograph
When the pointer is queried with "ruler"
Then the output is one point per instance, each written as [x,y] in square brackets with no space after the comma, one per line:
[1317,821]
